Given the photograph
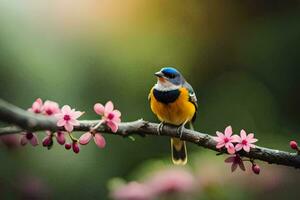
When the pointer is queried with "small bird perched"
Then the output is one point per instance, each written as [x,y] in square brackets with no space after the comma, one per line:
[173,101]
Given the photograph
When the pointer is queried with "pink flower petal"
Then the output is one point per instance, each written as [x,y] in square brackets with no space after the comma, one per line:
[69,127]
[217,139]
[39,101]
[230,148]
[113,126]
[36,105]
[61,122]
[77,114]
[228,144]
[219,134]
[116,120]
[235,138]
[51,107]
[243,134]
[99,109]
[109,107]
[48,133]
[246,148]
[228,131]
[34,141]
[24,140]
[66,109]
[85,138]
[59,115]
[117,113]
[250,136]
[99,140]
[238,147]
[74,122]
[220,145]
[253,140]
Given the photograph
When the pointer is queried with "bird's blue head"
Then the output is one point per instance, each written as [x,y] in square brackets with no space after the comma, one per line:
[169,77]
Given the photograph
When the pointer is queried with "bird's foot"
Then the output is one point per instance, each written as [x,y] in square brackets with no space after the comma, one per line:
[160,128]
[180,129]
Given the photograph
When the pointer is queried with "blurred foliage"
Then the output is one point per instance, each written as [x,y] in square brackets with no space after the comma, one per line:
[240,56]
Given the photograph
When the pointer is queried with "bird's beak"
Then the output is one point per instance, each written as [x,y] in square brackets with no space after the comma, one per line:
[159,74]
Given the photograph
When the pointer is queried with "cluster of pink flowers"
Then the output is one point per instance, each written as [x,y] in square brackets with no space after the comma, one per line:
[234,144]
[162,183]
[49,108]
[68,118]
[110,117]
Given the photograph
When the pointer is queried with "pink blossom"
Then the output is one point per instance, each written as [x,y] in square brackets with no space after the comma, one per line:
[110,116]
[98,139]
[50,108]
[236,161]
[68,118]
[133,191]
[29,137]
[226,140]
[245,141]
[37,106]
[171,181]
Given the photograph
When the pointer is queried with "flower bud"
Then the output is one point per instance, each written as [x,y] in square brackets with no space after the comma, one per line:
[75,147]
[48,142]
[60,138]
[29,135]
[68,146]
[255,168]
[294,145]
[85,138]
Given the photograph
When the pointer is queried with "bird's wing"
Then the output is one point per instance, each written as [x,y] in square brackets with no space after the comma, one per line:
[192,94]
[149,99]
[192,99]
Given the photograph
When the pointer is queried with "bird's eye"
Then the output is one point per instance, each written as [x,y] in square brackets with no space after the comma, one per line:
[169,75]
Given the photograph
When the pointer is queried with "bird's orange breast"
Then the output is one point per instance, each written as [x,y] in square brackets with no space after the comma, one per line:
[176,112]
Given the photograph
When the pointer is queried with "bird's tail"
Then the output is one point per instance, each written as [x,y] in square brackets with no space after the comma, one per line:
[179,154]
[178,149]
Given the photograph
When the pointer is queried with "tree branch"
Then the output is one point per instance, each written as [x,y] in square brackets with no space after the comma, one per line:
[32,122]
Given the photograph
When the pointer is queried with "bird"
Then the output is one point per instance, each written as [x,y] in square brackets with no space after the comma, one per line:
[173,101]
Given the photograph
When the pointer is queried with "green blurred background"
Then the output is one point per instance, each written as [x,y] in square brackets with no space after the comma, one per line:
[241,57]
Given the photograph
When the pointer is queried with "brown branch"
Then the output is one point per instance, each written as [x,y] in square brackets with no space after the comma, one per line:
[31,122]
